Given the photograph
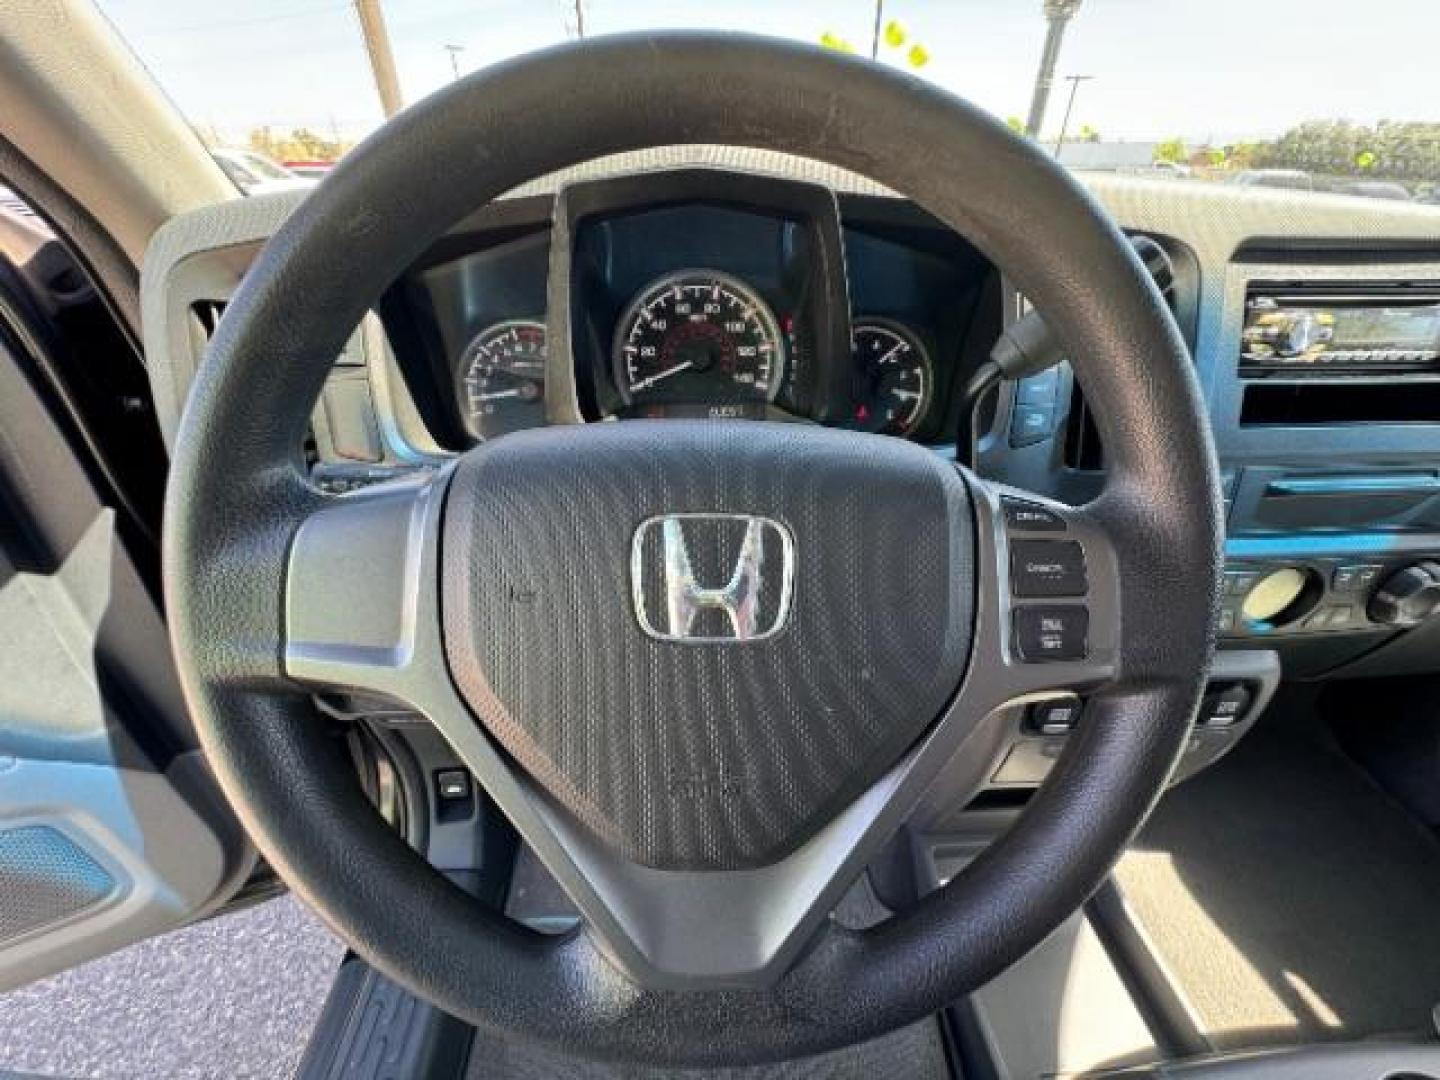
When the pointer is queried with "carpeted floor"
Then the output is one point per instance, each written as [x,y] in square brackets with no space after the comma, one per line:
[1289,896]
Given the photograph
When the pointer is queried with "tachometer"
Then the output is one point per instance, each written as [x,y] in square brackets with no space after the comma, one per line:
[891,380]
[502,378]
[699,338]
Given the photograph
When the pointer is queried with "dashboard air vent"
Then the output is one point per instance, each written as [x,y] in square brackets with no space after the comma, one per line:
[1082,439]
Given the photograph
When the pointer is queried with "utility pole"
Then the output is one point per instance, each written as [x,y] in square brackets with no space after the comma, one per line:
[1074,81]
[1057,13]
[875,37]
[580,19]
[454,51]
[382,60]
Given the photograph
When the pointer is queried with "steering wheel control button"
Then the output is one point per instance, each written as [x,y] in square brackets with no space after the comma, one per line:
[1031,424]
[1047,568]
[1055,717]
[1225,707]
[1051,632]
[1025,516]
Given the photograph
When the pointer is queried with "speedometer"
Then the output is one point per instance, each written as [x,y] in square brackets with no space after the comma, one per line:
[699,338]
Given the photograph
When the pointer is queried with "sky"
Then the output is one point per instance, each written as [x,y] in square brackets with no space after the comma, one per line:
[1205,70]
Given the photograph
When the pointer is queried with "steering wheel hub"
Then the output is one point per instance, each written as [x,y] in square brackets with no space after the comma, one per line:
[706,750]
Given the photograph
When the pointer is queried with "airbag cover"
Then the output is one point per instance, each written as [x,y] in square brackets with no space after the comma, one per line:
[716,754]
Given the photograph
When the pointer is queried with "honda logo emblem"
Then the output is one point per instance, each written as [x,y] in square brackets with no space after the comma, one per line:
[751,586]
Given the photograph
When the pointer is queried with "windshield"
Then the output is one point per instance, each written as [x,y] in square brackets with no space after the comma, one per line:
[1297,94]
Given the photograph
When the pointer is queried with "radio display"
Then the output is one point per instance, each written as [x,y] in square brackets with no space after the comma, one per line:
[1360,334]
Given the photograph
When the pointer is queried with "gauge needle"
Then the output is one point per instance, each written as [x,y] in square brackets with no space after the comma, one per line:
[498,394]
[645,384]
[905,395]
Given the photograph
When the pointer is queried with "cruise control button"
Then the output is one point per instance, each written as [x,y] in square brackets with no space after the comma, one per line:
[1047,568]
[1051,632]
[1027,517]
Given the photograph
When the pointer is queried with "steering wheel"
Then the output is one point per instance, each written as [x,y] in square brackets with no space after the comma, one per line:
[705,668]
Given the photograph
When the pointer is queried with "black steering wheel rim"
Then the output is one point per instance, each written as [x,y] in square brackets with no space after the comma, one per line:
[237,491]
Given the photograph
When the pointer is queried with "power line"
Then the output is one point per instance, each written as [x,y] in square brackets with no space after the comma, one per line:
[454,51]
[1075,81]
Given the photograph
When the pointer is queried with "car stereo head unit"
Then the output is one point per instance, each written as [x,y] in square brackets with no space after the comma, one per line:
[1332,330]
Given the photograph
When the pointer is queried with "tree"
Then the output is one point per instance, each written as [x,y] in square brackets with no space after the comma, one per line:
[301,144]
[1172,150]
[1247,155]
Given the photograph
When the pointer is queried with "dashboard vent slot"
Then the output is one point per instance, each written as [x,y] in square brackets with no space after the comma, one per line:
[204,318]
[1158,262]
[207,314]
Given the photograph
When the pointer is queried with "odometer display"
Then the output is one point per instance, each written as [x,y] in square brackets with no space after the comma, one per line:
[698,338]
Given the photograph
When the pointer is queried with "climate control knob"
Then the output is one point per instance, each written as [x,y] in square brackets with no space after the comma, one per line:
[1408,596]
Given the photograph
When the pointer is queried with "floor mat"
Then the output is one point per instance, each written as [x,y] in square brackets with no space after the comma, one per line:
[233,997]
[1289,897]
[915,1053]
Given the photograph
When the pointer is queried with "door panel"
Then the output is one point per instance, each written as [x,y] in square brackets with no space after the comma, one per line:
[111,828]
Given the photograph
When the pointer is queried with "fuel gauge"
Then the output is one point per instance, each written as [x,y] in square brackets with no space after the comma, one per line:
[891,378]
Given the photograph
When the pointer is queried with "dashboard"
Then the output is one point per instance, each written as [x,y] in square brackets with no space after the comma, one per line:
[719,282]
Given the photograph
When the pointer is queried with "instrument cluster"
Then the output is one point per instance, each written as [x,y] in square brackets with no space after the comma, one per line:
[779,307]
[697,344]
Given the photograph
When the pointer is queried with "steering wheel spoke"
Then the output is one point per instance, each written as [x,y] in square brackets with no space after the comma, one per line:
[356,581]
